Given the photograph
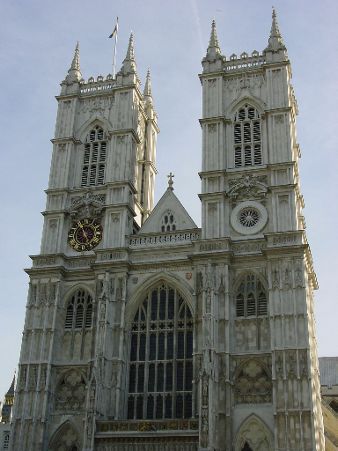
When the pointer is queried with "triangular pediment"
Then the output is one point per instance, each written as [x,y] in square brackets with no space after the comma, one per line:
[168,215]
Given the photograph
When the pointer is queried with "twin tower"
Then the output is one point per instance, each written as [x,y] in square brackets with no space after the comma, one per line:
[145,332]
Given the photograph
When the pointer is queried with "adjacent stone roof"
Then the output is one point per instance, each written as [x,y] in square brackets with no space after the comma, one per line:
[328,368]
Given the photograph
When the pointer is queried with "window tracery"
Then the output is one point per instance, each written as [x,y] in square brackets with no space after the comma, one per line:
[251,299]
[160,368]
[79,313]
[247,137]
[168,222]
[94,158]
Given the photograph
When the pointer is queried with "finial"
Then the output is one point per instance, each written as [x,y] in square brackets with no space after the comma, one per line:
[74,72]
[129,64]
[76,59]
[170,181]
[147,86]
[275,39]
[130,52]
[214,51]
[213,41]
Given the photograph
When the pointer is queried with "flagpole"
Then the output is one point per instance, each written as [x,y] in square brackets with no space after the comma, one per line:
[115,46]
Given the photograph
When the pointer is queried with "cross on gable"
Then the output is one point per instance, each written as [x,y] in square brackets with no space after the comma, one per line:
[170,181]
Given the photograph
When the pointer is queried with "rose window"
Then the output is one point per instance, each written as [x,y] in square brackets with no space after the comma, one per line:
[249,217]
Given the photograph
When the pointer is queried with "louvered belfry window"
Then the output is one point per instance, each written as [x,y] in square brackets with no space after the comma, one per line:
[79,313]
[247,137]
[160,367]
[251,299]
[94,158]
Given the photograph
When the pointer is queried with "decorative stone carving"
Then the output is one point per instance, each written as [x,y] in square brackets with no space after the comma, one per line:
[248,187]
[87,206]
[199,282]
[279,366]
[71,392]
[66,439]
[291,364]
[279,119]
[23,376]
[97,105]
[254,434]
[33,377]
[287,278]
[62,147]
[299,278]
[121,138]
[275,278]
[303,371]
[253,384]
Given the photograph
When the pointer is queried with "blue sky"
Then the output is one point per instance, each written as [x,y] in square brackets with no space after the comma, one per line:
[37,39]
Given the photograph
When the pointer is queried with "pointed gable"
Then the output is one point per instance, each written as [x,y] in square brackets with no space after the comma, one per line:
[168,215]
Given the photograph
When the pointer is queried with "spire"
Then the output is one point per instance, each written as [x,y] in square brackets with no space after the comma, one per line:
[74,72]
[129,63]
[213,49]
[147,86]
[213,42]
[214,59]
[10,391]
[275,40]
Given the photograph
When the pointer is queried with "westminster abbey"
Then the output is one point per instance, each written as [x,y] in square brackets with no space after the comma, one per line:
[144,332]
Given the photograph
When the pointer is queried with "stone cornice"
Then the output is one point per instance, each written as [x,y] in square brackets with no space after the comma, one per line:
[66,140]
[284,109]
[214,119]
[211,173]
[212,196]
[126,131]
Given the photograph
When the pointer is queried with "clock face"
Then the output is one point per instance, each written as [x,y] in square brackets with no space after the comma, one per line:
[85,234]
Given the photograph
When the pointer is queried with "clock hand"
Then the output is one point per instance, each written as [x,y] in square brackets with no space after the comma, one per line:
[83,231]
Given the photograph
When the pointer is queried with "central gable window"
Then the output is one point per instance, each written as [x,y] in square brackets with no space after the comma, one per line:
[168,222]
[160,367]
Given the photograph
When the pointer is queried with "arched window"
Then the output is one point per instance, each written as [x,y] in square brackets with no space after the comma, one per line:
[160,367]
[79,312]
[168,223]
[251,299]
[94,158]
[247,137]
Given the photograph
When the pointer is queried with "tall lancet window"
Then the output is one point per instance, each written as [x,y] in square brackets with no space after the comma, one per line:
[94,158]
[251,299]
[79,313]
[247,137]
[160,367]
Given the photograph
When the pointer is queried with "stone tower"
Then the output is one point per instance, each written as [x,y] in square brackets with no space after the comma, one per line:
[144,332]
[261,296]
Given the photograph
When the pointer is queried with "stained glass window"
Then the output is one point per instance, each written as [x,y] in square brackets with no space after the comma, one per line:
[161,357]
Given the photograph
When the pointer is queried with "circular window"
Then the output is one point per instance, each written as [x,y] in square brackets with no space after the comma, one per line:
[249,217]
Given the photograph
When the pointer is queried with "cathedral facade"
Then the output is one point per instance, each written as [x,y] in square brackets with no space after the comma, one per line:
[145,332]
